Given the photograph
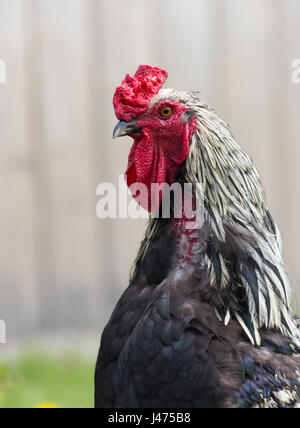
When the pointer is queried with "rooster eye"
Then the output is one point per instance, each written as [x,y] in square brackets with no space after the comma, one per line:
[166,111]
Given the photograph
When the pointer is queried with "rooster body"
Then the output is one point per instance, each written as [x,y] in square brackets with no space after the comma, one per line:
[207,320]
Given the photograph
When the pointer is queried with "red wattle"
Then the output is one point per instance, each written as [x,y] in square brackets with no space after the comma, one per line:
[150,163]
[147,165]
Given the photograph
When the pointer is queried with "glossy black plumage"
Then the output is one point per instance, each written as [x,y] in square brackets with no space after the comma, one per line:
[165,348]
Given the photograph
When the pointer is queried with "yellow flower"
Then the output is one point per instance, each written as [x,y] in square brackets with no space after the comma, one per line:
[47,406]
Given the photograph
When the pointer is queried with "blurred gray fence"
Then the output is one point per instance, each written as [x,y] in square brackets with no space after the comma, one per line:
[61,267]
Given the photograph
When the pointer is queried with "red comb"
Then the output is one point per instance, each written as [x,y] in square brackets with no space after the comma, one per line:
[132,98]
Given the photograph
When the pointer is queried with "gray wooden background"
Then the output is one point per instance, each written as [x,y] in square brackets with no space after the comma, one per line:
[61,268]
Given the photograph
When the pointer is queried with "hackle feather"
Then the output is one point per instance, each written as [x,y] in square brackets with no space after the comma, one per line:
[236,210]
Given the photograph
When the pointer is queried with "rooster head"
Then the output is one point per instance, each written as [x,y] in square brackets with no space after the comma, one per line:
[161,126]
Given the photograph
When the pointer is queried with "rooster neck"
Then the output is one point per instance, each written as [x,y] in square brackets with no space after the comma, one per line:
[239,245]
[189,246]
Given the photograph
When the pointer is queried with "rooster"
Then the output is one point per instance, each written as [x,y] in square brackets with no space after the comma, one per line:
[207,319]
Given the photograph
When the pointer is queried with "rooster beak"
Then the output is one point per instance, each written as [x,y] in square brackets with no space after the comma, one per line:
[126,128]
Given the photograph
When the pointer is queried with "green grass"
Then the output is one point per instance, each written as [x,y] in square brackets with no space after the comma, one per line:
[35,378]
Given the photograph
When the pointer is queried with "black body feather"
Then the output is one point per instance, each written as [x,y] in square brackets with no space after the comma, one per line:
[164,348]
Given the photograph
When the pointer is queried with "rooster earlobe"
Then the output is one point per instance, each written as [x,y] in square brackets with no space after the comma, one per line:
[187,116]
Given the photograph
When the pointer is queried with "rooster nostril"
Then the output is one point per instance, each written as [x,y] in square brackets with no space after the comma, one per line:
[134,129]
